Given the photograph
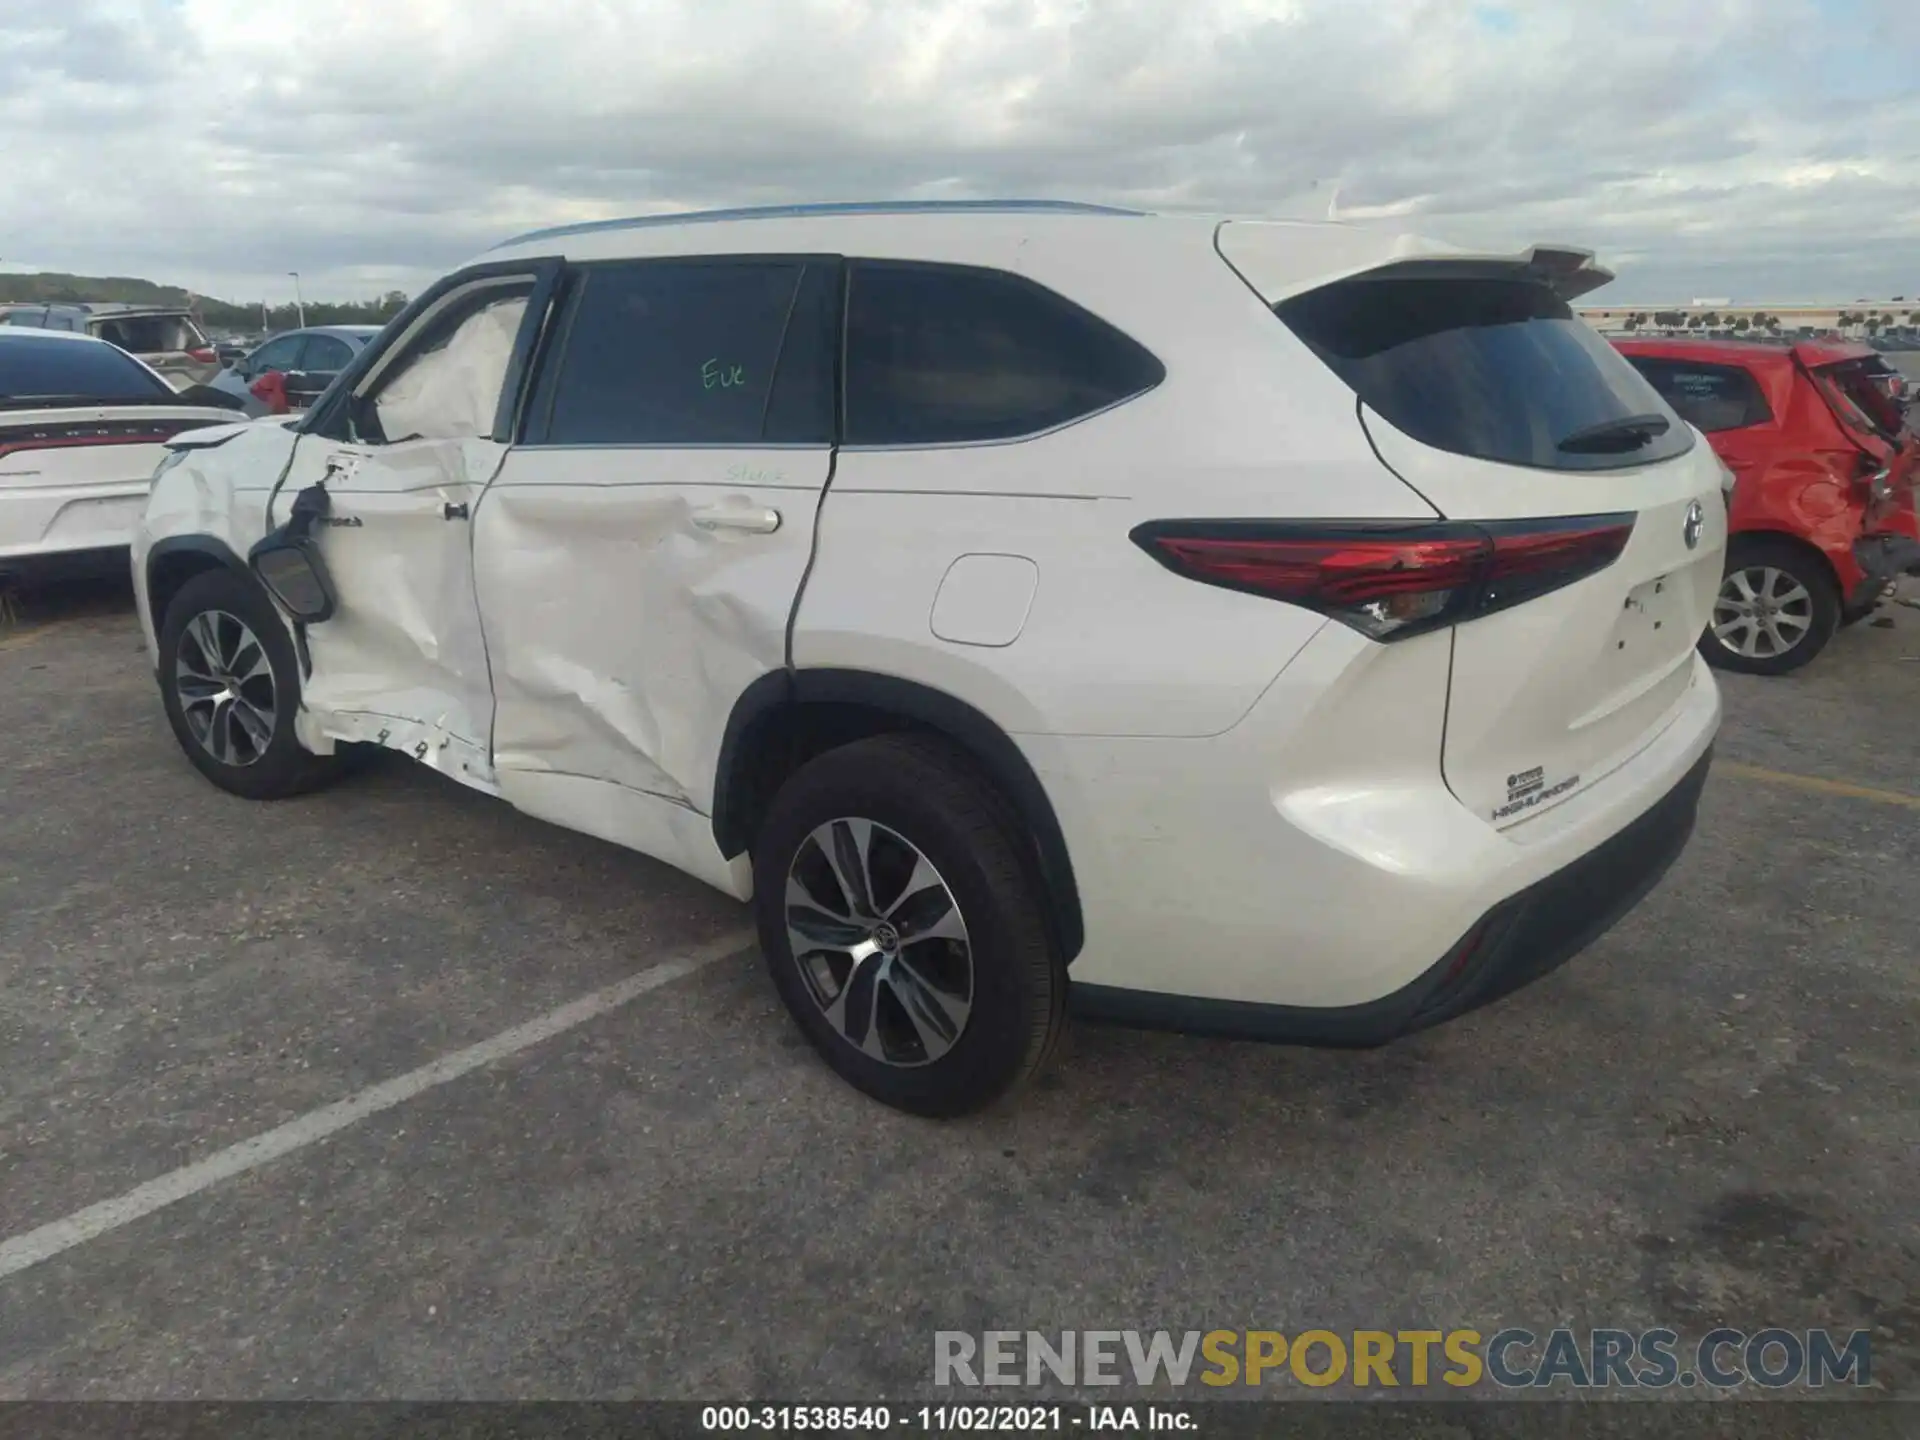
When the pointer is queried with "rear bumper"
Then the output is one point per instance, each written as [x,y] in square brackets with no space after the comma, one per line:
[42,567]
[1881,558]
[1312,858]
[60,526]
[1519,940]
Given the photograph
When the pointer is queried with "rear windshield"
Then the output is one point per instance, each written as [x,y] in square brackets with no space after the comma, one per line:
[1496,369]
[71,369]
[150,334]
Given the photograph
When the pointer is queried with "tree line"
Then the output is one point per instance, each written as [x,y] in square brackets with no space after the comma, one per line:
[250,318]
[1873,322]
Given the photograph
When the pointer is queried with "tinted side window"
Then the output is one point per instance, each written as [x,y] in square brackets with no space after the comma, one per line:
[1709,397]
[281,354]
[694,352]
[324,352]
[1495,369]
[941,355]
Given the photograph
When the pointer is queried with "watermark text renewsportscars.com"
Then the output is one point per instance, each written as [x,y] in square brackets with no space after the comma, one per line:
[1508,1359]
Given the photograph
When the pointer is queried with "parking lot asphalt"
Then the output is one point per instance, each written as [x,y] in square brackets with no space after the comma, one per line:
[1709,1118]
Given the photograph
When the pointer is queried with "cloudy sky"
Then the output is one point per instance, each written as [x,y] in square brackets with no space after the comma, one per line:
[1754,149]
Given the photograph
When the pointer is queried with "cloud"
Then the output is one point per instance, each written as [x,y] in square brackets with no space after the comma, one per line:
[1752,147]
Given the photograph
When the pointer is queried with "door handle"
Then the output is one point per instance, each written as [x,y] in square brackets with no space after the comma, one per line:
[731,517]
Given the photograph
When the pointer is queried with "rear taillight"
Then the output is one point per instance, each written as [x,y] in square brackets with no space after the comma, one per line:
[1873,477]
[67,435]
[1390,581]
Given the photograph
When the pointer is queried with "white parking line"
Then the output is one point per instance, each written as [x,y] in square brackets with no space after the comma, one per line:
[50,1239]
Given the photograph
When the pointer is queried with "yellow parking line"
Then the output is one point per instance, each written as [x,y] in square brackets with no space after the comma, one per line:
[1815,784]
[22,640]
[21,637]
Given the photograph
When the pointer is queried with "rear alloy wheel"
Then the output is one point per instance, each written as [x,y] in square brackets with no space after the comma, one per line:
[231,687]
[1777,609]
[905,928]
[879,942]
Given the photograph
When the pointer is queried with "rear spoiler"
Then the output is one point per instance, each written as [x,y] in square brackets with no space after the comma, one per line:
[1568,272]
[1280,260]
[1571,272]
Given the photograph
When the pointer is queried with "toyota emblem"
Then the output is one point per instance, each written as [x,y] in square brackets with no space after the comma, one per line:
[1696,522]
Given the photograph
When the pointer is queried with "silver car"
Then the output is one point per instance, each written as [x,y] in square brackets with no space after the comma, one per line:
[166,338]
[309,359]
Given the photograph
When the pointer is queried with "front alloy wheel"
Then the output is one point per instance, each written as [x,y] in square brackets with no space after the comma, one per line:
[225,684]
[231,686]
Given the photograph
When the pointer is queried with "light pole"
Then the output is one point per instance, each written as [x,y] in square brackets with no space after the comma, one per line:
[299,305]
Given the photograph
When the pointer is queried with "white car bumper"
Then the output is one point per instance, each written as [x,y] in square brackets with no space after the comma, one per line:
[1280,881]
[41,523]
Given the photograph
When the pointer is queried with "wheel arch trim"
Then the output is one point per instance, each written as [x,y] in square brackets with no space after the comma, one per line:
[1770,535]
[210,547]
[219,556]
[936,710]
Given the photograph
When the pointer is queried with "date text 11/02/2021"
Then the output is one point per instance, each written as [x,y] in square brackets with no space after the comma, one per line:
[945,1419]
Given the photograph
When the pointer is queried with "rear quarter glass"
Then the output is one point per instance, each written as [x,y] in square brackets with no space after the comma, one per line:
[1493,369]
[1711,398]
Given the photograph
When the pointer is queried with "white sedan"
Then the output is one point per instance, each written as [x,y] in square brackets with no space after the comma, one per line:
[82,426]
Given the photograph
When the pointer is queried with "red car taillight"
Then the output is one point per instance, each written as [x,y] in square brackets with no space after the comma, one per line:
[1390,581]
[1873,478]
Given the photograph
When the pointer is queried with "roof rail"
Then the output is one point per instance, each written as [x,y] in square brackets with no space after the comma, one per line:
[794,212]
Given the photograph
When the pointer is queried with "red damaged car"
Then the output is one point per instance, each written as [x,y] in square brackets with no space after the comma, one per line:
[1821,509]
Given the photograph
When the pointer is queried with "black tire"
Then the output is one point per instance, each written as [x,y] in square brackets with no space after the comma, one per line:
[1752,555]
[933,799]
[276,770]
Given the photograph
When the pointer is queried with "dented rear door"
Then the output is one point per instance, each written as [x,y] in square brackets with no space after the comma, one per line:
[638,556]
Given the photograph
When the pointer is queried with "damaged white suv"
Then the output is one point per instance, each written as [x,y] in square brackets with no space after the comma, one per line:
[1265,629]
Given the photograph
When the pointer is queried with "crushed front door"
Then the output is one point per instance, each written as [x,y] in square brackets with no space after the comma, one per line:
[402,661]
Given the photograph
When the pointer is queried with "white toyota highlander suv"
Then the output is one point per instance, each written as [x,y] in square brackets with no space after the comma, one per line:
[1264,629]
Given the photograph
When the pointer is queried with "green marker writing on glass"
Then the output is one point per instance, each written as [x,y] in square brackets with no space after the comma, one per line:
[726,377]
